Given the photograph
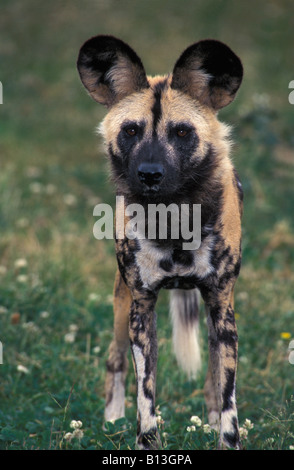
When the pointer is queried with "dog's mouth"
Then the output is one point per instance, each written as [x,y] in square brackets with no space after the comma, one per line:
[150,190]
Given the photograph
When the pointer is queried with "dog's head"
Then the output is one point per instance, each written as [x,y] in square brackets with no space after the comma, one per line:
[162,133]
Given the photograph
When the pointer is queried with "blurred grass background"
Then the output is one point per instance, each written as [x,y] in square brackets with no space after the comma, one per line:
[56,279]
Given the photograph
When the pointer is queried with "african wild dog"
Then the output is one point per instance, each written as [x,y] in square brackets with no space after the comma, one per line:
[166,145]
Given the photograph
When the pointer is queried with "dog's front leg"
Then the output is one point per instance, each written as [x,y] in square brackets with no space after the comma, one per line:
[223,346]
[142,331]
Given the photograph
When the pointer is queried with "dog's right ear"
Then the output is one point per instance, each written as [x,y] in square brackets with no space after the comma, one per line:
[210,72]
[110,69]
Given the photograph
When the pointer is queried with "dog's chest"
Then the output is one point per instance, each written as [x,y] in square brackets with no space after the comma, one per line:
[173,268]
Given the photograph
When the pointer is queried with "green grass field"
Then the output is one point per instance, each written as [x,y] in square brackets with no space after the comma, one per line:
[56,279]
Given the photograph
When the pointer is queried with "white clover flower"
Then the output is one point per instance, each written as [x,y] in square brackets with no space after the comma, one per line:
[44,314]
[36,187]
[196,420]
[93,297]
[270,440]
[191,428]
[70,199]
[22,369]
[243,432]
[78,433]
[20,263]
[3,309]
[68,436]
[96,350]
[73,328]
[76,424]
[159,420]
[248,424]
[22,278]
[291,447]
[70,337]
[30,326]
[157,410]
[206,428]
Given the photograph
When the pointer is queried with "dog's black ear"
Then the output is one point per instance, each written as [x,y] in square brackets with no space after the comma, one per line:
[210,72]
[110,69]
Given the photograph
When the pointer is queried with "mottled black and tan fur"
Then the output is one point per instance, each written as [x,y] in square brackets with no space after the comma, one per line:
[166,145]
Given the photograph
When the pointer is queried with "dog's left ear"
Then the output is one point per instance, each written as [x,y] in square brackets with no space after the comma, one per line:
[210,72]
[110,70]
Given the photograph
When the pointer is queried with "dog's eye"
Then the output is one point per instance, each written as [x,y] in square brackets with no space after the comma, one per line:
[182,132]
[131,131]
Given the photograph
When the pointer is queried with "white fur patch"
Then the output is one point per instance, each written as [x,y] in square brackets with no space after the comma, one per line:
[149,256]
[116,407]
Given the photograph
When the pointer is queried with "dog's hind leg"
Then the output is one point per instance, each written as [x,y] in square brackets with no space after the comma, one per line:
[210,390]
[117,362]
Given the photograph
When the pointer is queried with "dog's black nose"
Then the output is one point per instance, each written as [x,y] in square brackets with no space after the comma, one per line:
[150,173]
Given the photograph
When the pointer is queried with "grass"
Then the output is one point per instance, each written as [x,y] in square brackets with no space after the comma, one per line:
[56,279]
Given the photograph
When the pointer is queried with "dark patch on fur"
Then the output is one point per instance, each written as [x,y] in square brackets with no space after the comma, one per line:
[149,439]
[156,108]
[233,438]
[183,257]
[190,311]
[185,146]
[179,282]
[166,265]
[227,392]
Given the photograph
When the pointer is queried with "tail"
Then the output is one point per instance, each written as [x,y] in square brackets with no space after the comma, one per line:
[184,312]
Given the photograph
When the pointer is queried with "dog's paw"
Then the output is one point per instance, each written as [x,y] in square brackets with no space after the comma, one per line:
[149,440]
